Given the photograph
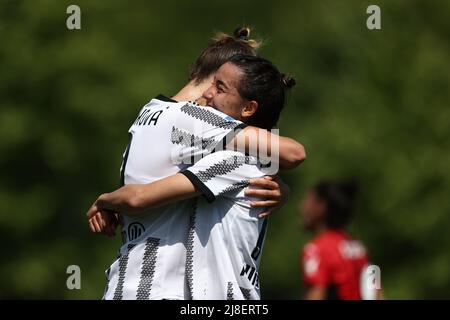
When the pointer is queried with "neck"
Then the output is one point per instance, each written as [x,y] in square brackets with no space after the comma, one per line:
[193,91]
[320,228]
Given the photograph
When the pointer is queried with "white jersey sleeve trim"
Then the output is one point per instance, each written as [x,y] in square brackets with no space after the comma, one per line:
[222,172]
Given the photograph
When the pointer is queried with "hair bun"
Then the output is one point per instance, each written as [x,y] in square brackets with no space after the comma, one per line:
[287,81]
[242,33]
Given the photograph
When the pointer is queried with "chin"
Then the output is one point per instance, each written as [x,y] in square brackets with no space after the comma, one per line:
[209,105]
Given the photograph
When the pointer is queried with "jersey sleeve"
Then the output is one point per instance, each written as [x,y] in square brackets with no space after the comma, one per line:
[222,172]
[315,269]
[197,131]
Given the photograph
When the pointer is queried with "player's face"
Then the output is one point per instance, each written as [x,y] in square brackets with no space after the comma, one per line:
[312,210]
[223,94]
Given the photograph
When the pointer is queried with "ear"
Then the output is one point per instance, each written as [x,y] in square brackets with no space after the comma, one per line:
[249,109]
[322,209]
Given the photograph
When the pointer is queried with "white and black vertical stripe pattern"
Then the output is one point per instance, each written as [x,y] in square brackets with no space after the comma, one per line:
[222,168]
[230,295]
[245,293]
[190,250]
[207,116]
[107,282]
[235,186]
[186,139]
[258,248]
[124,162]
[148,269]
[123,262]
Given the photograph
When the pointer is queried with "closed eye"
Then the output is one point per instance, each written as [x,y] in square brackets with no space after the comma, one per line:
[220,86]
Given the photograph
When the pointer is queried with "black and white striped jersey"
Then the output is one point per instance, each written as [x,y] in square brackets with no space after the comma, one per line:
[226,236]
[167,137]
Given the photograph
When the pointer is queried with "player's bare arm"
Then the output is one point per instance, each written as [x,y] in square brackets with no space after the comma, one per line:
[137,198]
[291,152]
[316,293]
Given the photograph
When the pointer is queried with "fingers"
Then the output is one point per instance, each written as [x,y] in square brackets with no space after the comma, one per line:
[119,218]
[91,226]
[103,222]
[268,212]
[92,211]
[263,193]
[262,204]
[265,214]
[96,225]
[274,192]
[112,223]
[265,182]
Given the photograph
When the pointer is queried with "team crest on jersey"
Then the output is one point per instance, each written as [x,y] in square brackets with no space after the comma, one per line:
[134,231]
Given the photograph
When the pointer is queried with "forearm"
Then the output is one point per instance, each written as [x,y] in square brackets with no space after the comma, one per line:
[123,199]
[262,143]
[315,293]
[137,198]
[291,153]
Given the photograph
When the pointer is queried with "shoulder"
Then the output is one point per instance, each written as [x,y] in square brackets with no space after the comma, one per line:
[230,167]
[208,115]
[324,242]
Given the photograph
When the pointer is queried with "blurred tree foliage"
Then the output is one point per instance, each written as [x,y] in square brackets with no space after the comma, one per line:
[369,104]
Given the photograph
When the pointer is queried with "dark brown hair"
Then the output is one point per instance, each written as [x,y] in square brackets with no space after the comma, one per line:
[262,82]
[220,50]
[340,198]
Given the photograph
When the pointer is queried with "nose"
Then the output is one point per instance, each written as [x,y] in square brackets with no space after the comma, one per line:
[209,93]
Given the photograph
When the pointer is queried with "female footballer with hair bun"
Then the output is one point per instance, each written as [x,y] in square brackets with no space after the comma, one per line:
[161,250]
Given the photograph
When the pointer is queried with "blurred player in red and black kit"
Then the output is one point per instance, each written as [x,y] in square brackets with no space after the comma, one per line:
[332,261]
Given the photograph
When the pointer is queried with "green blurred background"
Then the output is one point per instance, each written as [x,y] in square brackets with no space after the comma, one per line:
[368,104]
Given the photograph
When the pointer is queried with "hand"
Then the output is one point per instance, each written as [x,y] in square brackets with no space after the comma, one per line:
[103,221]
[275,194]
[201,101]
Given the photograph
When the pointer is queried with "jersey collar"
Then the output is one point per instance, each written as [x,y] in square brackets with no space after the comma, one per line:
[164,98]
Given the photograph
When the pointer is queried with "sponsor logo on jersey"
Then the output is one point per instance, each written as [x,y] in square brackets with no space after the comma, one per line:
[251,274]
[352,250]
